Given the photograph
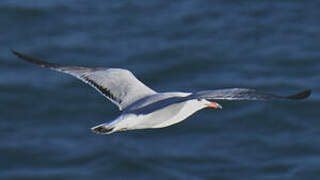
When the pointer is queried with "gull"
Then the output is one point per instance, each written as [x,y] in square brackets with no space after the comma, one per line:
[144,108]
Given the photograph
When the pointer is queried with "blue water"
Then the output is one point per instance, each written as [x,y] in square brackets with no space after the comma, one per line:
[45,117]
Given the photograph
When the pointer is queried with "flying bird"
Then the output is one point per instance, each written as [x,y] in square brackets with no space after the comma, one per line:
[144,108]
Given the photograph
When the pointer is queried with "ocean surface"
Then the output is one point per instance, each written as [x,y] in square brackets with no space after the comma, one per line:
[191,45]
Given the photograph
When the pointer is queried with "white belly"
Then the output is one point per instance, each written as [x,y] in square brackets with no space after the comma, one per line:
[168,116]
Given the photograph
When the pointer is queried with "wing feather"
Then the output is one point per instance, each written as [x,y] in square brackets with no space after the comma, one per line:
[120,86]
[245,94]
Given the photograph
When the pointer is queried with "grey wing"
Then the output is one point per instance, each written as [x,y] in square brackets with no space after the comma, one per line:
[245,94]
[118,85]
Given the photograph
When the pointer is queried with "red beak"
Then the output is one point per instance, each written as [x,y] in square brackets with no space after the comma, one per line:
[214,105]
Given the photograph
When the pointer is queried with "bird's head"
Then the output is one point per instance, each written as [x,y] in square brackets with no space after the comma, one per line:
[210,104]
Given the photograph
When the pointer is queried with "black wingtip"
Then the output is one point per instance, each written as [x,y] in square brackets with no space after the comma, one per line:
[301,95]
[15,52]
[34,61]
[19,55]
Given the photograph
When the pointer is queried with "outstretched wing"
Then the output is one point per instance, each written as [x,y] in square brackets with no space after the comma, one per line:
[245,94]
[118,85]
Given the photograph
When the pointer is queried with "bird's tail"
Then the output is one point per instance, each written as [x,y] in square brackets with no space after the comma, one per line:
[103,129]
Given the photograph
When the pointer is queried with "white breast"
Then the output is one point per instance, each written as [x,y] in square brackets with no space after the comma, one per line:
[189,108]
[164,117]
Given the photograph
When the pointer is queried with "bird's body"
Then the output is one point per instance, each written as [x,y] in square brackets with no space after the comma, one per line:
[159,114]
[144,108]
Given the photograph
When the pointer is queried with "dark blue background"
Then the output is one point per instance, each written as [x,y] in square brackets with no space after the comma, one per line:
[45,117]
